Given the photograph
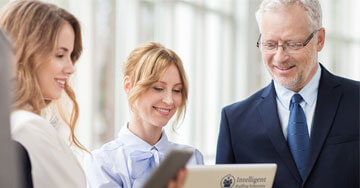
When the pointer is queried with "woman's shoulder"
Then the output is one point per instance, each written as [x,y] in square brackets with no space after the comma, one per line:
[22,119]
[113,145]
[106,165]
[108,150]
[109,158]
[29,126]
[49,154]
[181,146]
[197,157]
[20,116]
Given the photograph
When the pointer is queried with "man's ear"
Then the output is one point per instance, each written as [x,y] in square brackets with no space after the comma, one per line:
[321,39]
[127,84]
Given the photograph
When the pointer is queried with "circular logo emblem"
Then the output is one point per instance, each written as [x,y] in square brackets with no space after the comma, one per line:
[227,181]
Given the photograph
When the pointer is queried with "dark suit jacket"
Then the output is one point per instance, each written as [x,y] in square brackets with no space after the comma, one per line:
[250,132]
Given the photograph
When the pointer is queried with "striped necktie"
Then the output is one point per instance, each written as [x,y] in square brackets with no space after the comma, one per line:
[297,134]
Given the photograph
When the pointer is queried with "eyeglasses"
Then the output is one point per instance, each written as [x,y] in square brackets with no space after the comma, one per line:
[288,47]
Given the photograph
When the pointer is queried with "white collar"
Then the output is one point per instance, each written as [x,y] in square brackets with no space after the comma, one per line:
[308,93]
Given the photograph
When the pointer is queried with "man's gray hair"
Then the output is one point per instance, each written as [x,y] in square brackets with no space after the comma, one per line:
[312,8]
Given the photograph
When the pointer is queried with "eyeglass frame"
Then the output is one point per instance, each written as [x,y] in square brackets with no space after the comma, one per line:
[303,44]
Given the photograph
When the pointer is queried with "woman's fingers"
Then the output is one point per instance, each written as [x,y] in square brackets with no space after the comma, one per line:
[179,180]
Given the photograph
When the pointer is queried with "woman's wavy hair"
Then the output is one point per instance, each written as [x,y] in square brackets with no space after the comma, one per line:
[33,27]
[146,65]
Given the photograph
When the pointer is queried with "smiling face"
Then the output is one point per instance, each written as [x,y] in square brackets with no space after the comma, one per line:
[295,70]
[55,71]
[159,103]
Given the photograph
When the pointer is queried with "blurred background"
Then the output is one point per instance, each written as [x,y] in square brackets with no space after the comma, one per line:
[216,39]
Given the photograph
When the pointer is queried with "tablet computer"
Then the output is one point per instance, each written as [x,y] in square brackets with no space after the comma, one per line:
[173,162]
[231,176]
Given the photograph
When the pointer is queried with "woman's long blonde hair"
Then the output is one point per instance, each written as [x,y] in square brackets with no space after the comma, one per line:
[33,27]
[146,65]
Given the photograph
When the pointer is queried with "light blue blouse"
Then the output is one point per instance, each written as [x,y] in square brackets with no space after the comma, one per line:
[128,161]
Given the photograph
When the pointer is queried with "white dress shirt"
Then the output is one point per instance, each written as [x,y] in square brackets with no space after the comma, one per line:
[53,164]
[308,93]
[128,161]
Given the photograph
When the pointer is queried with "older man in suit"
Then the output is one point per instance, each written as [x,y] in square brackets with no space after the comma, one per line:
[307,119]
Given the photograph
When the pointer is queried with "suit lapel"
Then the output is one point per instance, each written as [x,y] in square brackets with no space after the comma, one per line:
[267,108]
[328,99]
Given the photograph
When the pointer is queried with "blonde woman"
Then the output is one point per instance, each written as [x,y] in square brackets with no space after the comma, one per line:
[157,89]
[47,43]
